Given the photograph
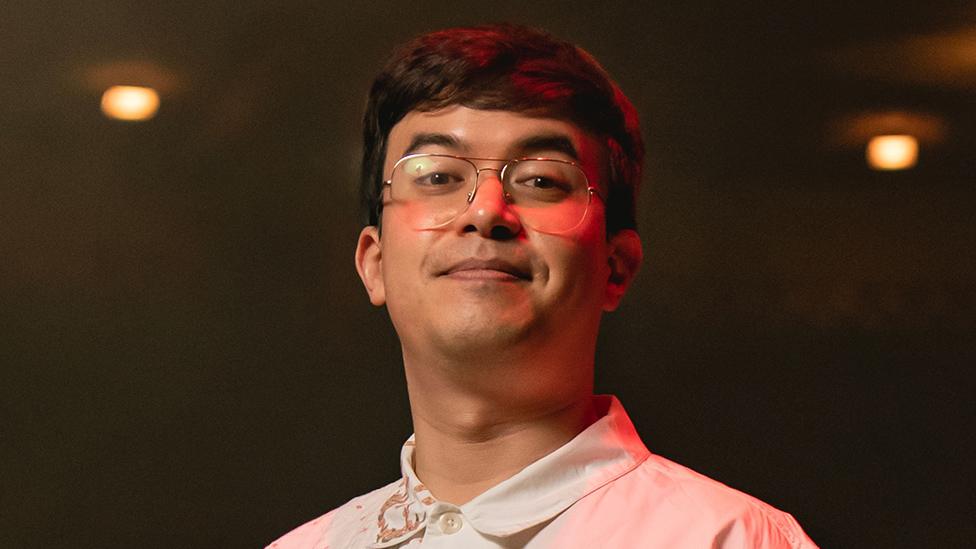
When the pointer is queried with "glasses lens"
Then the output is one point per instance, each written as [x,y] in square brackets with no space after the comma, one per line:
[549,195]
[434,188]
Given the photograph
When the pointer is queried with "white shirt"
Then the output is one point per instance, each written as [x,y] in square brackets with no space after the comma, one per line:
[603,489]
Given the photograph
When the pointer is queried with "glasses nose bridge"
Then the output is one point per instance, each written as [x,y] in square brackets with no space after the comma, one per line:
[501,169]
[477,176]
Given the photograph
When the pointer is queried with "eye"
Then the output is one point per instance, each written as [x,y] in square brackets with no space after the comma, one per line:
[437,182]
[538,184]
[541,182]
[437,179]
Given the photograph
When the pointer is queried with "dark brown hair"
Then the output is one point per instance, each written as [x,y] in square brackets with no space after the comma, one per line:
[505,67]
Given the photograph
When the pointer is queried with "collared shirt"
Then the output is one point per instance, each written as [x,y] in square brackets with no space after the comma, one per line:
[601,489]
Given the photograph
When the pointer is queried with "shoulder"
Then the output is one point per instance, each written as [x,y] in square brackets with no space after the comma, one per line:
[693,502]
[337,527]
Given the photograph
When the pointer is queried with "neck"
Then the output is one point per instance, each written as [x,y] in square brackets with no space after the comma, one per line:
[478,424]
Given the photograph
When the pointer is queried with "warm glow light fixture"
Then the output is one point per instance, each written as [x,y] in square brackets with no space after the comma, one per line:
[131,103]
[892,152]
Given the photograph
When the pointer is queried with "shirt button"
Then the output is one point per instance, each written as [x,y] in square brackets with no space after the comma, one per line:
[449,523]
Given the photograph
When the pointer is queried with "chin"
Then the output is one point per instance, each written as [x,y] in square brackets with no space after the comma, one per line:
[481,332]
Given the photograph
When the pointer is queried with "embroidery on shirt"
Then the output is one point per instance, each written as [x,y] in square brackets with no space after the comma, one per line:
[396,510]
[424,494]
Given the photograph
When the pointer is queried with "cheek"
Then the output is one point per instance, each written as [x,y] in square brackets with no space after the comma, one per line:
[398,261]
[590,253]
[400,281]
[405,255]
[578,269]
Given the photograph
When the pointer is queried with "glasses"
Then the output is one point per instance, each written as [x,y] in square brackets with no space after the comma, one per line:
[549,195]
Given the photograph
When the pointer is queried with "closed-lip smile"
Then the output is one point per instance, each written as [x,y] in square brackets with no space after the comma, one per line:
[486,269]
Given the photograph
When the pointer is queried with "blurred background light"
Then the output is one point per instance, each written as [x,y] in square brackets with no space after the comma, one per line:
[892,152]
[132,103]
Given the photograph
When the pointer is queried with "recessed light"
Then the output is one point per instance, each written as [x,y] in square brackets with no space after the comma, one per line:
[892,152]
[131,103]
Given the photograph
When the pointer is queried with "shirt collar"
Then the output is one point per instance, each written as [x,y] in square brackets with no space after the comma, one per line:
[404,513]
[604,451]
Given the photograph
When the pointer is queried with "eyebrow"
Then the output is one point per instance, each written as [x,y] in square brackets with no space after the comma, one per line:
[532,144]
[548,142]
[437,139]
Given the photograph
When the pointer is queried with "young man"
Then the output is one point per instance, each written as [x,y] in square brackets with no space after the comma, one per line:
[500,172]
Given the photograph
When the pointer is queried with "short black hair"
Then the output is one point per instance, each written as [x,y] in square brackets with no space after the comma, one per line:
[505,67]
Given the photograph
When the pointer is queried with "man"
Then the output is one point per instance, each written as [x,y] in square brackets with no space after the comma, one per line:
[500,172]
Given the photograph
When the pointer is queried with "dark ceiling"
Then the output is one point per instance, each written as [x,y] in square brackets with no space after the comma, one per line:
[187,358]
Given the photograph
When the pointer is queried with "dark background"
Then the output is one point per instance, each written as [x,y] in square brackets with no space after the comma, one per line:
[188,359]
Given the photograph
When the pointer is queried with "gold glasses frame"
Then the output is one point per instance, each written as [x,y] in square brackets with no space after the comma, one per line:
[507,164]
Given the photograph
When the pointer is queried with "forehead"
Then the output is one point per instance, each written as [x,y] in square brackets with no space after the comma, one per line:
[493,134]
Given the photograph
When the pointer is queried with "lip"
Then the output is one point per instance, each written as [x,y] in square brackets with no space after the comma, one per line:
[486,269]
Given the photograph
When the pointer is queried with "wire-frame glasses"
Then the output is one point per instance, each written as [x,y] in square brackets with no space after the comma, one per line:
[549,195]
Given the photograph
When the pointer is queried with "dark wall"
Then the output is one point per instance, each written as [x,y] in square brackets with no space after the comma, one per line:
[187,358]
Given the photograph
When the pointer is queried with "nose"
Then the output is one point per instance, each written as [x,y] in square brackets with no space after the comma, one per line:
[490,214]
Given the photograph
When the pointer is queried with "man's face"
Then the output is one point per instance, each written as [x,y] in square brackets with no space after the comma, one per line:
[485,281]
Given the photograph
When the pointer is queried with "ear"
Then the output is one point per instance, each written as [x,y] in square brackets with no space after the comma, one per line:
[626,253]
[369,264]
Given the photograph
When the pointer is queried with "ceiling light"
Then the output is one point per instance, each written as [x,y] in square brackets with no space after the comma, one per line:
[132,103]
[892,152]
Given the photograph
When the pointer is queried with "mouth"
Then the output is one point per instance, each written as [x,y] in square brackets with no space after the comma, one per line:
[487,269]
